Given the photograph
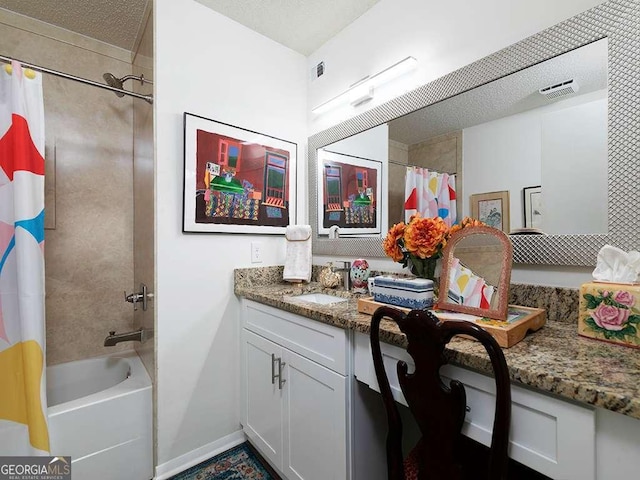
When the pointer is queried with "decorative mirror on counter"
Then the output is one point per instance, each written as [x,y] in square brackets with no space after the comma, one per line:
[476,272]
[608,34]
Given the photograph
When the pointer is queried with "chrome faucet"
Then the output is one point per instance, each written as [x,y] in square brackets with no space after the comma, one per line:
[139,335]
[346,274]
[141,296]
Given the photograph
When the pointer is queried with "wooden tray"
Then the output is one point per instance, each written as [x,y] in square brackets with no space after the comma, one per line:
[521,320]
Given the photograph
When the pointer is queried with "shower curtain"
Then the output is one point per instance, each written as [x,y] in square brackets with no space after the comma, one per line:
[431,194]
[22,330]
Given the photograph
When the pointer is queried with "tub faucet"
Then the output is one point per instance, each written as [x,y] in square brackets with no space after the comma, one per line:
[139,335]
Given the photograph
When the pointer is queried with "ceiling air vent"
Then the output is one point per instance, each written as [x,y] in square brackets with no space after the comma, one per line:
[560,89]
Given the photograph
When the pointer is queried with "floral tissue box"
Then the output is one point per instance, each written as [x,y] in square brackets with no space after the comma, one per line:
[610,312]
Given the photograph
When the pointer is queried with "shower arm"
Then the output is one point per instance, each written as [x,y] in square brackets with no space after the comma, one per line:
[140,78]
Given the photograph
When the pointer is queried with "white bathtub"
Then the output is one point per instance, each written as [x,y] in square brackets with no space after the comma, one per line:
[100,413]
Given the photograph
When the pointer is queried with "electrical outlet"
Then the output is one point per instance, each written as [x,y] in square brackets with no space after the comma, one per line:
[256,252]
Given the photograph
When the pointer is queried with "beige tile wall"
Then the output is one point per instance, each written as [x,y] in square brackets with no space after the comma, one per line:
[89,254]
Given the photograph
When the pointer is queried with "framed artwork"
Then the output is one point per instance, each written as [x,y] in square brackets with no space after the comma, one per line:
[236,180]
[492,208]
[348,194]
[532,205]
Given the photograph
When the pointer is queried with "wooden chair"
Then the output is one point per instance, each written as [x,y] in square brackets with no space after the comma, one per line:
[438,409]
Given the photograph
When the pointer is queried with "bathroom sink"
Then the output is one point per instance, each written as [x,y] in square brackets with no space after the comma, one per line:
[320,298]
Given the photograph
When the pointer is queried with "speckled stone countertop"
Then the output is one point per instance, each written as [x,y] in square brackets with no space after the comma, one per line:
[554,359]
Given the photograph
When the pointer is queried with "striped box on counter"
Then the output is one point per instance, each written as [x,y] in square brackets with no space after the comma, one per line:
[413,293]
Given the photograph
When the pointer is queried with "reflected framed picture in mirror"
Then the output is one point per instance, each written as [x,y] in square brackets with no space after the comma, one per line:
[532,205]
[349,192]
[492,209]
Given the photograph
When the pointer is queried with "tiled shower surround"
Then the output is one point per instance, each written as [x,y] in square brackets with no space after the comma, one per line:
[88,134]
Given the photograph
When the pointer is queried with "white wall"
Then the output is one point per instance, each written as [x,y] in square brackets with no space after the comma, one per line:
[211,66]
[442,36]
[562,146]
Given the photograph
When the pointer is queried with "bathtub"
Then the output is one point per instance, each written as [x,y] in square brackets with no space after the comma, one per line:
[100,413]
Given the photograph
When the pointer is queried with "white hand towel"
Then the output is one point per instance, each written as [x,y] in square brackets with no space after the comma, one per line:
[297,264]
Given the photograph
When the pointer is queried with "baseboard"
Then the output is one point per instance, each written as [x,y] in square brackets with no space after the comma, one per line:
[194,457]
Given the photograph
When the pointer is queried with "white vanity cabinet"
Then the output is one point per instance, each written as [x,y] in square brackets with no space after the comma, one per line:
[294,392]
[552,436]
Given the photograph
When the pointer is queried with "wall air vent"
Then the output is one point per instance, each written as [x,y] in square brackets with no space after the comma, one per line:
[560,89]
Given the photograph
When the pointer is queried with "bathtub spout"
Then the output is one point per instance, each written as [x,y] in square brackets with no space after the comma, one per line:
[113,338]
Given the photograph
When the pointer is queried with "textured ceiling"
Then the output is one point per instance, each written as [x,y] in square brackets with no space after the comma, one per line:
[510,95]
[302,25]
[112,21]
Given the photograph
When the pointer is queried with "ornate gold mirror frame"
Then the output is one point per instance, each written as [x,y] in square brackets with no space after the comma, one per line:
[500,299]
[619,21]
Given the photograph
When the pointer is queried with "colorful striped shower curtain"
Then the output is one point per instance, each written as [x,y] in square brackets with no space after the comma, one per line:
[431,194]
[23,405]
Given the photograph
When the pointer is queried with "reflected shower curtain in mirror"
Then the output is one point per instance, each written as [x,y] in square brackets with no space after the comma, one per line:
[431,194]
[23,420]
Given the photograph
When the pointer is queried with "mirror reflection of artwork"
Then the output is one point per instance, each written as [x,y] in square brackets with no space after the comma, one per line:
[492,209]
[533,207]
[235,178]
[349,193]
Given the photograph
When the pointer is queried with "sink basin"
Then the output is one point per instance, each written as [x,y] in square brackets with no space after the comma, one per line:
[320,298]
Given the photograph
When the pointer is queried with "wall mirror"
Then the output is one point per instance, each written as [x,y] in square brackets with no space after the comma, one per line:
[476,273]
[448,120]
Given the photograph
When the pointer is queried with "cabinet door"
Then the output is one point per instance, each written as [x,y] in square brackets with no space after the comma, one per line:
[262,397]
[315,423]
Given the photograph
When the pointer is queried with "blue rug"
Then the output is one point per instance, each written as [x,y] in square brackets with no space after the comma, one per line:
[239,463]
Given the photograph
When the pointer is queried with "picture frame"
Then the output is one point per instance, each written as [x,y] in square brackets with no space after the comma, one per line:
[532,206]
[236,180]
[349,194]
[492,208]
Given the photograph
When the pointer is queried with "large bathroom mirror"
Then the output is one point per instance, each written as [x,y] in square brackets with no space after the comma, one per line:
[476,273]
[547,119]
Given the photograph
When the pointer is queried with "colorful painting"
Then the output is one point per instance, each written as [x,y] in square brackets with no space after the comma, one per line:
[236,180]
[348,193]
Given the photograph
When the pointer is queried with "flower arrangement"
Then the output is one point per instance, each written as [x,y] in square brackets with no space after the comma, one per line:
[613,315]
[419,244]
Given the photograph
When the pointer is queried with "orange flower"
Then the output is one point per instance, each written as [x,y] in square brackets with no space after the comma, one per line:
[425,237]
[466,222]
[390,243]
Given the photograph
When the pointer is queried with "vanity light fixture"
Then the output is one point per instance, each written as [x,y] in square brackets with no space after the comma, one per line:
[363,90]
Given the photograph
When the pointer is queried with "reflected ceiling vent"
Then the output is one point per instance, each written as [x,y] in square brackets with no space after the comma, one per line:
[560,89]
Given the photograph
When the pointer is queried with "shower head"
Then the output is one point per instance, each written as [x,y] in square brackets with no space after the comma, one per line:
[115,82]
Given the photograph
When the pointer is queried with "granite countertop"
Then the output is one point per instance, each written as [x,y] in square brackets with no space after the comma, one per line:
[554,359]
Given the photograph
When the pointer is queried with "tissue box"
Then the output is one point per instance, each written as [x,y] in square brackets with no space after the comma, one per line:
[413,293]
[610,312]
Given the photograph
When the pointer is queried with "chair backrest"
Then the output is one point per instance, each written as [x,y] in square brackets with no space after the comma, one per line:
[438,409]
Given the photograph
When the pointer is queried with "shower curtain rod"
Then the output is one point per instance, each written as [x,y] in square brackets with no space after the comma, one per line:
[395,162]
[57,73]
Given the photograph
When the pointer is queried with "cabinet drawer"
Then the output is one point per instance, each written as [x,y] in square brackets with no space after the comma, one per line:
[552,436]
[322,343]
